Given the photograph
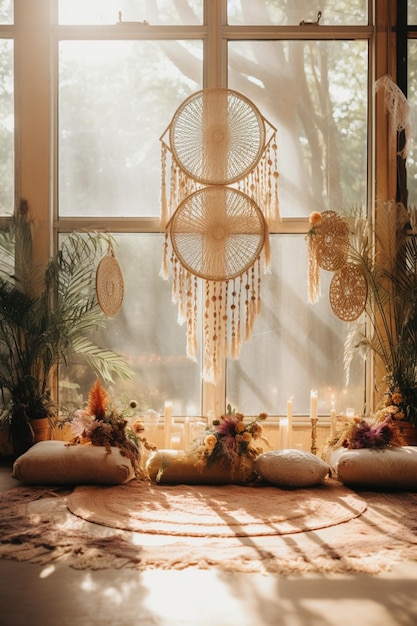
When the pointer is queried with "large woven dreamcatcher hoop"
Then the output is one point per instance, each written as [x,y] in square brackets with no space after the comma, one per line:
[217,136]
[217,233]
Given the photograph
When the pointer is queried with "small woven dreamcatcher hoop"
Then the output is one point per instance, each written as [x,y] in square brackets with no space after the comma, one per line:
[348,292]
[217,233]
[217,136]
[331,241]
[109,284]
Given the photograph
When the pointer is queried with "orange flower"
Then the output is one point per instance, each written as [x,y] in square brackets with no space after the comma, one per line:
[397,398]
[210,441]
[315,218]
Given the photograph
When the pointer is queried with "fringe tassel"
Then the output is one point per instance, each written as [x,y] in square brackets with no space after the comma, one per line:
[313,272]
[163,272]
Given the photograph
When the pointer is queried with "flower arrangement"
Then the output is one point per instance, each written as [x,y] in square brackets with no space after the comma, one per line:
[231,441]
[100,424]
[377,432]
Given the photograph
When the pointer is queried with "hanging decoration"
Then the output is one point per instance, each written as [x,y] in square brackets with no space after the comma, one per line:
[328,245]
[398,108]
[348,292]
[329,249]
[223,169]
[109,284]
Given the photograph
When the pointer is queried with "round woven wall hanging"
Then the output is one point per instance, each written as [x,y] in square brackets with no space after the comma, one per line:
[109,285]
[217,233]
[348,292]
[217,136]
[331,241]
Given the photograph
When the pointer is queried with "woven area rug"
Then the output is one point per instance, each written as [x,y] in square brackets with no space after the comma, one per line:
[215,511]
[36,525]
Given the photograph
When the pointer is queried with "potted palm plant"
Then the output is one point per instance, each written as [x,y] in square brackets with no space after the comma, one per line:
[389,265]
[46,315]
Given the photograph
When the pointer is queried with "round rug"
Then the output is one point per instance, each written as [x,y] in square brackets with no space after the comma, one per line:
[216,511]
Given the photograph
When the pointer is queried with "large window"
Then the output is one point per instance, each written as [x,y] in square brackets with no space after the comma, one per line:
[7,134]
[411,90]
[117,92]
[118,70]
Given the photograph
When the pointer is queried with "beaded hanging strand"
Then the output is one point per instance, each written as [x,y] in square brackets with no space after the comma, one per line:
[234,350]
[258,295]
[191,318]
[164,210]
[247,307]
[206,332]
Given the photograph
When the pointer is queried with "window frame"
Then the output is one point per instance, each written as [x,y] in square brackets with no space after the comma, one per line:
[39,187]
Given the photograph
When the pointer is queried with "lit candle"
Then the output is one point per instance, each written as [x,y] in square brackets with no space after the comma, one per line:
[186,433]
[313,404]
[289,419]
[333,422]
[283,433]
[168,424]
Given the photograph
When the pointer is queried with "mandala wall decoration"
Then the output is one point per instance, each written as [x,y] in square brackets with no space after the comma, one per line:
[222,196]
[109,284]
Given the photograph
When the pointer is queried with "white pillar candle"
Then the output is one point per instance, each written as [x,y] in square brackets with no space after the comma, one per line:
[186,433]
[289,418]
[168,424]
[313,404]
[333,422]
[283,433]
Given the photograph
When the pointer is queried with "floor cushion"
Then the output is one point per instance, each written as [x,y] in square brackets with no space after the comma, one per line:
[177,467]
[291,468]
[55,462]
[389,468]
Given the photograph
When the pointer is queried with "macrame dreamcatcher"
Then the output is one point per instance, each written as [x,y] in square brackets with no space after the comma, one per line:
[348,292]
[328,249]
[223,168]
[109,284]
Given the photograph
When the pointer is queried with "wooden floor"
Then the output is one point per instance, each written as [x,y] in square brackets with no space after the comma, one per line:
[63,596]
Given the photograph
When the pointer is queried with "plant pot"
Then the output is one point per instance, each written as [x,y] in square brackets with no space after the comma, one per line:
[21,436]
[41,429]
[408,432]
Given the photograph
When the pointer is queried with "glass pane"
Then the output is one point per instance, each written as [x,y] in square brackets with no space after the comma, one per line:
[292,12]
[412,100]
[6,128]
[145,331]
[6,11]
[116,98]
[412,12]
[100,12]
[295,346]
[315,94]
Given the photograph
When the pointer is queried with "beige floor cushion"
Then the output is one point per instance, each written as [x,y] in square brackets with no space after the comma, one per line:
[390,468]
[177,467]
[54,462]
[291,468]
